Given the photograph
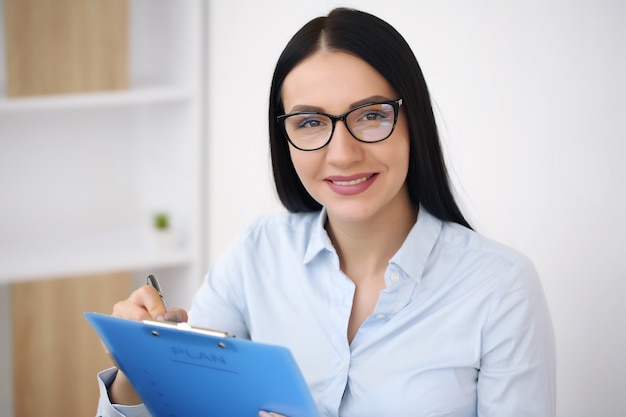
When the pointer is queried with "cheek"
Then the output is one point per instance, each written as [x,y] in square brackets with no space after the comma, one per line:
[403,148]
[398,155]
[405,156]
[400,164]
[301,164]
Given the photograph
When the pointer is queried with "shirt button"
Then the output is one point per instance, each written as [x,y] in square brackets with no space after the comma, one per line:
[395,277]
[342,365]
[380,316]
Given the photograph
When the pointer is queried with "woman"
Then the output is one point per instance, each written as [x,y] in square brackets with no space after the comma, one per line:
[375,281]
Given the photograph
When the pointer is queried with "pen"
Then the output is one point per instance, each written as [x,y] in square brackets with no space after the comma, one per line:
[154,282]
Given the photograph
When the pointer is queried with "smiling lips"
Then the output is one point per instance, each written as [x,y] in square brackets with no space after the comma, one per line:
[351,185]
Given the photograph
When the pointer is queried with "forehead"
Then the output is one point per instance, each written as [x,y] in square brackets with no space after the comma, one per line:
[333,80]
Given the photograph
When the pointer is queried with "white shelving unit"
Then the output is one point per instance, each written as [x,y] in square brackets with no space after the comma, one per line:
[81,175]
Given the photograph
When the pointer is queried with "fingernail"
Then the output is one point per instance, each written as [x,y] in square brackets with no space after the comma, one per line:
[264,414]
[174,315]
[160,317]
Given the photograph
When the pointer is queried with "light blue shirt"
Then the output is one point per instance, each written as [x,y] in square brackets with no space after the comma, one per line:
[461,330]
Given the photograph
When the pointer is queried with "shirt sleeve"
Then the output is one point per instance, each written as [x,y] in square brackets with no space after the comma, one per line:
[220,302]
[518,362]
[106,409]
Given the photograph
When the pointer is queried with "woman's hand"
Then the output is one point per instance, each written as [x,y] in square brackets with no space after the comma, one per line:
[143,303]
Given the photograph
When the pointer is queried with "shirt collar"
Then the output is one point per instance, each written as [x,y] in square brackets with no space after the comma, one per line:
[412,255]
[319,240]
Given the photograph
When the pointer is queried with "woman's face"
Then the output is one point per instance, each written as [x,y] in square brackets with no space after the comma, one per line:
[355,181]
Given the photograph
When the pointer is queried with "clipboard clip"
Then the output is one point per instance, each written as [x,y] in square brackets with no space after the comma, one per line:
[186,327]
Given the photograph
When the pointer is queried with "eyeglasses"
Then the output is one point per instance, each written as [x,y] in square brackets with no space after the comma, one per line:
[369,122]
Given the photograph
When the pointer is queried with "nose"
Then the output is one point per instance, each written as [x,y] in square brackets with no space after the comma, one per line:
[343,149]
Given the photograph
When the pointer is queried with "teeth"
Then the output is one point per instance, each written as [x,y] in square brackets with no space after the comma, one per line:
[352,182]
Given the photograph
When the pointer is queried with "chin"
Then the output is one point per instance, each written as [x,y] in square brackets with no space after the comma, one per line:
[351,213]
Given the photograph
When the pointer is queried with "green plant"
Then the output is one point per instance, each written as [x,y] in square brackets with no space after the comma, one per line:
[161,221]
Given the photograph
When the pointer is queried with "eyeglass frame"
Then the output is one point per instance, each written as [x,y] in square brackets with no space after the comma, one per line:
[342,117]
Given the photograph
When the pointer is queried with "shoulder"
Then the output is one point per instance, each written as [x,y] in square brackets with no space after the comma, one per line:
[475,245]
[262,244]
[503,279]
[475,260]
[279,230]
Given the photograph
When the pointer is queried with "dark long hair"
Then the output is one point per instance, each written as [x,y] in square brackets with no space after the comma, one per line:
[380,45]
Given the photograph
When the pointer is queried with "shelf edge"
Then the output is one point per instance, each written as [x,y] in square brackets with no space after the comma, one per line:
[152,95]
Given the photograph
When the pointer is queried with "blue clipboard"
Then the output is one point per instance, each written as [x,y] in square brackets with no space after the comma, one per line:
[180,371]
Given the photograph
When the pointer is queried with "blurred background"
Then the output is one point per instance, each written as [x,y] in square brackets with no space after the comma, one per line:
[133,140]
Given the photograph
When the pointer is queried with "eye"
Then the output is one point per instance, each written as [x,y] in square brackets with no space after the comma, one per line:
[307,121]
[371,116]
[373,113]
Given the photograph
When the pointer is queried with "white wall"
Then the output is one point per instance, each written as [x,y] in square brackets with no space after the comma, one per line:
[531,101]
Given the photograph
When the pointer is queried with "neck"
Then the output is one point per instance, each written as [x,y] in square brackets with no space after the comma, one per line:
[366,247]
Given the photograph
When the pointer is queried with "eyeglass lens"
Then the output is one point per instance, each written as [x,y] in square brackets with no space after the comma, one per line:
[369,123]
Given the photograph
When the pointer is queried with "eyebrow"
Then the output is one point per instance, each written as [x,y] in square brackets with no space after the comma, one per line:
[306,107]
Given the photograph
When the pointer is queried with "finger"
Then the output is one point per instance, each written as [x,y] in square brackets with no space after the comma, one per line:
[152,301]
[177,315]
[266,414]
[127,309]
[143,303]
